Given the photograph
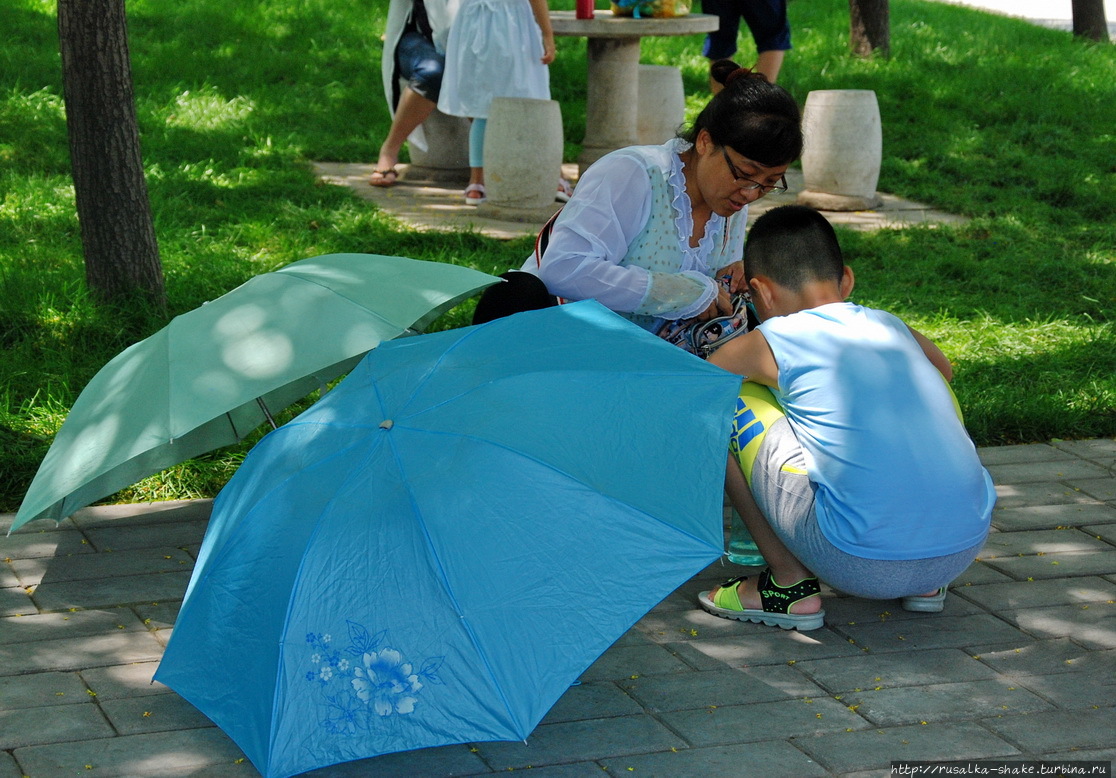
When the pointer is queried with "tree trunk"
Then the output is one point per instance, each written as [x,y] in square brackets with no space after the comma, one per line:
[117,230]
[870,27]
[1089,21]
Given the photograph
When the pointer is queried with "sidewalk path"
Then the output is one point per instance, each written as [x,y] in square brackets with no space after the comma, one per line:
[1021,665]
[1057,14]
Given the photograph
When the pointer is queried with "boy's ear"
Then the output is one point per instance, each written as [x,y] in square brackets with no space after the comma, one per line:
[847,282]
[762,288]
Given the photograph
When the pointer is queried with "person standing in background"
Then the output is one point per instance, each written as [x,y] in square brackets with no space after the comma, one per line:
[414,50]
[496,48]
[767,20]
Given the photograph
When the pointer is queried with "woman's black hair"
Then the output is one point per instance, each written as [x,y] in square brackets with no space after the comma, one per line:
[758,119]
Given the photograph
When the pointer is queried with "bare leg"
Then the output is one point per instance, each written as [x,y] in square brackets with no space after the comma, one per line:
[413,110]
[769,63]
[785,568]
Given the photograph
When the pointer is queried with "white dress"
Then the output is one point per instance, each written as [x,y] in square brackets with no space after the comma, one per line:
[494,50]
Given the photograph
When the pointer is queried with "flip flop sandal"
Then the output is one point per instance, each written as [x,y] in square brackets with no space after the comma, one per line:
[935,603]
[475,200]
[775,599]
[383,180]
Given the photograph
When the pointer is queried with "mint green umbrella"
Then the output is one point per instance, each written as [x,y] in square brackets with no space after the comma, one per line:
[214,374]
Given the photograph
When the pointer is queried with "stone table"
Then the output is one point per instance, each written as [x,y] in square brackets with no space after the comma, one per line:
[612,98]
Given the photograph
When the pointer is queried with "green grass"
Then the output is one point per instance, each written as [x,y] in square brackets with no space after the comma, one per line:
[1005,123]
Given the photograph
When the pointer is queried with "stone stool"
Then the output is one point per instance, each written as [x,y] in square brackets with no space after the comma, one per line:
[446,158]
[522,155]
[844,146]
[662,104]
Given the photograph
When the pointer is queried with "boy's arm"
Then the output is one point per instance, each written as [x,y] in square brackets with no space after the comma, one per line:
[750,356]
[936,356]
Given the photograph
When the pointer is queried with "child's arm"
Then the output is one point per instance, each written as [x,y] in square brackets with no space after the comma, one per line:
[936,356]
[750,356]
[542,18]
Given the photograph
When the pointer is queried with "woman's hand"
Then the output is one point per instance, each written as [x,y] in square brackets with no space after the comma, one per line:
[721,306]
[735,274]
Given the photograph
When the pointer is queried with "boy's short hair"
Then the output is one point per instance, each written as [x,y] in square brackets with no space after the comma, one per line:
[793,245]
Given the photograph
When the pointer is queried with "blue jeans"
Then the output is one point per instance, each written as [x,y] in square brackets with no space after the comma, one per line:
[420,64]
[766,19]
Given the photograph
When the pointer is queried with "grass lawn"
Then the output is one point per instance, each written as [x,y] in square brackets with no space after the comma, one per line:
[1011,125]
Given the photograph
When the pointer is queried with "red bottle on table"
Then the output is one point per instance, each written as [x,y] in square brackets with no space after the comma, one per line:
[584,9]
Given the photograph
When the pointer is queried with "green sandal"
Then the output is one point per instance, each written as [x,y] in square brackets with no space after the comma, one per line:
[776,600]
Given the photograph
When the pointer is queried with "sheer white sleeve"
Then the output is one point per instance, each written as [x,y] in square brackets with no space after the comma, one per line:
[592,235]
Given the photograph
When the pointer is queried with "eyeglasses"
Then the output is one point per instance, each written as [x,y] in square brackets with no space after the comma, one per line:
[748,185]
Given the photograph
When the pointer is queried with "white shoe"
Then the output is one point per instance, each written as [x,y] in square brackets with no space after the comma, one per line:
[475,200]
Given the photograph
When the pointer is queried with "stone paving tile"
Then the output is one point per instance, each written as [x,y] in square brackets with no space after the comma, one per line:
[723,725]
[1045,493]
[945,702]
[454,760]
[578,741]
[1022,454]
[775,759]
[15,601]
[1095,688]
[684,691]
[911,668]
[79,653]
[1098,488]
[978,573]
[1051,516]
[102,592]
[1040,593]
[155,713]
[933,631]
[135,756]
[48,626]
[1058,730]
[1105,532]
[8,766]
[118,538]
[761,645]
[1064,469]
[8,578]
[1097,754]
[160,615]
[35,726]
[1044,657]
[1099,450]
[846,611]
[142,513]
[123,681]
[844,752]
[592,700]
[85,567]
[1058,565]
[41,690]
[1091,625]
[58,543]
[624,661]
[1045,541]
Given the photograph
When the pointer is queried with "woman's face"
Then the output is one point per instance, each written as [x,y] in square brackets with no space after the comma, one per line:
[725,177]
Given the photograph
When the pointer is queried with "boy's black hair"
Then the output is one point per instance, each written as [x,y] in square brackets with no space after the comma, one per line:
[793,245]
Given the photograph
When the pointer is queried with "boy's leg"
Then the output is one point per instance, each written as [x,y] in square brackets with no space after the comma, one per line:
[785,568]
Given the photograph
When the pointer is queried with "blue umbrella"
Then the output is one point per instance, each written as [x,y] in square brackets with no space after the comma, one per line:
[436,550]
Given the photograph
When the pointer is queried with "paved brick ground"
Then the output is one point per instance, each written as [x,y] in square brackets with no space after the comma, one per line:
[1021,665]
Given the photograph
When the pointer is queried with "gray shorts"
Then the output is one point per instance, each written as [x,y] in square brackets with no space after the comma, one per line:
[786,496]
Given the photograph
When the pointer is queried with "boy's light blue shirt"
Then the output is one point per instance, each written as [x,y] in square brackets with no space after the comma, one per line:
[898,476]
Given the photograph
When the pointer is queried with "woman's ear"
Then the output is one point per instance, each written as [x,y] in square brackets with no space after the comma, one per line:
[703,142]
[847,283]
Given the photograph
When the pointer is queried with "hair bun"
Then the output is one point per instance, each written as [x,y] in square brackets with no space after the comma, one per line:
[725,72]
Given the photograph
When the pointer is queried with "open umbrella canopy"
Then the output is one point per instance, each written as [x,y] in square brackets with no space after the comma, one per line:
[214,374]
[437,549]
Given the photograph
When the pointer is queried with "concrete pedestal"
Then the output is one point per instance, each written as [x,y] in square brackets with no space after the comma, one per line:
[844,147]
[662,104]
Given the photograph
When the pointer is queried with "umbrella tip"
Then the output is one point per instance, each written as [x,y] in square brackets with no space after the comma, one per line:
[387,424]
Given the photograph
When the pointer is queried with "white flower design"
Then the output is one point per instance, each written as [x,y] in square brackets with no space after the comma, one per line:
[386,682]
[326,673]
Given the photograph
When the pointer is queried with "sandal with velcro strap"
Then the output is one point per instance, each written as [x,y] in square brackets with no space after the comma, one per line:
[775,599]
